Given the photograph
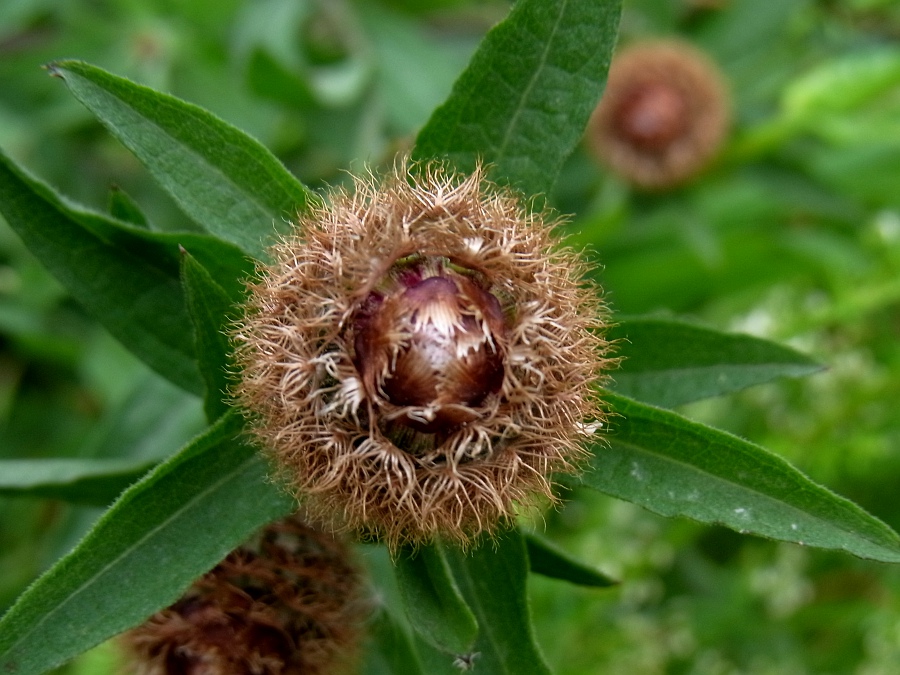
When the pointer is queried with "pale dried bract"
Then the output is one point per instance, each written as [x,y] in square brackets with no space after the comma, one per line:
[422,356]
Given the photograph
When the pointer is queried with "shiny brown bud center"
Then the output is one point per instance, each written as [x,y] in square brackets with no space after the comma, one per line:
[430,347]
[653,115]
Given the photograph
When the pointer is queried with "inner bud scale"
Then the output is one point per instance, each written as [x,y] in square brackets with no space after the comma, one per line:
[429,346]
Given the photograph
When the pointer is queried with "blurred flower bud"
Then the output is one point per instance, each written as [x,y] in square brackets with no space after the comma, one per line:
[286,603]
[663,115]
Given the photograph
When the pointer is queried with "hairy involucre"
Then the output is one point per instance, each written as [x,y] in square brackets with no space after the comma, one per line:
[421,356]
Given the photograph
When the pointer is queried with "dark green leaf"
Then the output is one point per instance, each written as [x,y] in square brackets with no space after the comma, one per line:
[136,300]
[668,362]
[393,652]
[123,207]
[434,606]
[524,100]
[545,558]
[162,533]
[492,577]
[223,179]
[677,467]
[209,306]
[81,481]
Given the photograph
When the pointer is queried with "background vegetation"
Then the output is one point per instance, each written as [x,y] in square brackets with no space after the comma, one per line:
[794,234]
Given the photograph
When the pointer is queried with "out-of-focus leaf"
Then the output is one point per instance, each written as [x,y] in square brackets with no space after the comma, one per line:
[843,83]
[546,559]
[161,534]
[668,362]
[391,651]
[223,179]
[676,467]
[95,482]
[139,303]
[492,578]
[524,100]
[416,70]
[434,605]
[209,306]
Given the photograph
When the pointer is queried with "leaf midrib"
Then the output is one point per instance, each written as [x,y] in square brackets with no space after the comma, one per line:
[501,150]
[754,491]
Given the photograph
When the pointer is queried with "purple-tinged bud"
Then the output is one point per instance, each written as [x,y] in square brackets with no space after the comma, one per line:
[421,356]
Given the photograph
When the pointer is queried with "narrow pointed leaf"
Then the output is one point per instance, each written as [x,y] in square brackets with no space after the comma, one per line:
[162,534]
[547,559]
[524,100]
[123,207]
[209,307]
[676,467]
[492,578]
[80,481]
[667,362]
[222,178]
[137,301]
[434,605]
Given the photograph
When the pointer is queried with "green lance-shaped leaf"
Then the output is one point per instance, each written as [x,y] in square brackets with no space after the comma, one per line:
[135,299]
[209,306]
[667,362]
[434,605]
[162,534]
[127,277]
[548,560]
[222,178]
[95,481]
[492,578]
[524,100]
[676,467]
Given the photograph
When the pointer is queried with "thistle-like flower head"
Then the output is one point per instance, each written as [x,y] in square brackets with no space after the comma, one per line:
[663,115]
[421,356]
[288,602]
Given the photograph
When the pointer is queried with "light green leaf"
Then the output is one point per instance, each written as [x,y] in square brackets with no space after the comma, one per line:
[843,84]
[162,534]
[226,181]
[676,467]
[80,481]
[667,362]
[492,578]
[547,559]
[209,307]
[524,100]
[434,605]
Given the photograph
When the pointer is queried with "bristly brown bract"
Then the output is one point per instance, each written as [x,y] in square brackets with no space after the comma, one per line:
[421,356]
[663,116]
[289,602]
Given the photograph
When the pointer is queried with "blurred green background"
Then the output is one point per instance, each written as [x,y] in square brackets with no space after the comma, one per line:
[792,234]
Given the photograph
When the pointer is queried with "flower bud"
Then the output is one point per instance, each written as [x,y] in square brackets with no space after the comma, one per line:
[421,356]
[286,603]
[663,115]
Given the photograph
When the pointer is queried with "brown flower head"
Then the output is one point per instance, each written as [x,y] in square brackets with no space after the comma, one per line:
[663,115]
[286,603]
[420,357]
